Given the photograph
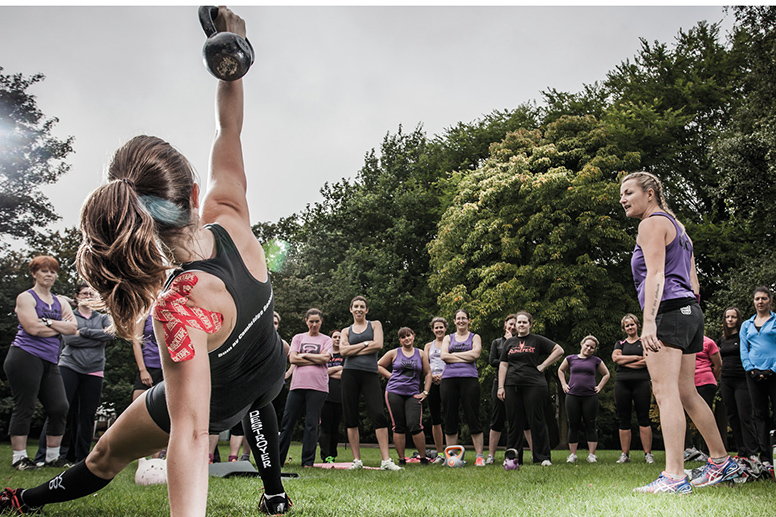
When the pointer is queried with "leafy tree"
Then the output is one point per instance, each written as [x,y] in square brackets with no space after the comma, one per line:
[538,227]
[30,156]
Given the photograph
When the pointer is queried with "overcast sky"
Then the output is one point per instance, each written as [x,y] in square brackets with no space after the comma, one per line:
[327,85]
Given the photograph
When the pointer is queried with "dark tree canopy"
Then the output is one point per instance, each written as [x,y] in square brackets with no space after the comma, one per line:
[30,156]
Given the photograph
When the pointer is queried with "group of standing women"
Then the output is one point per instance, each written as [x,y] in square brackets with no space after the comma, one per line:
[57,357]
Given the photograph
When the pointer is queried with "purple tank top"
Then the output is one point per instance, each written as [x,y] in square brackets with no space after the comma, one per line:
[677,270]
[46,348]
[150,347]
[405,376]
[582,375]
[460,369]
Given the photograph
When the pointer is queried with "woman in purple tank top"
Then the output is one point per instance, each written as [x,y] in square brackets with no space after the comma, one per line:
[31,363]
[409,365]
[664,273]
[460,384]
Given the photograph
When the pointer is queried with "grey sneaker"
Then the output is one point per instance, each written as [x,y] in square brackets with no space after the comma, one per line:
[592,458]
[439,459]
[649,458]
[624,458]
[356,465]
[389,465]
[489,460]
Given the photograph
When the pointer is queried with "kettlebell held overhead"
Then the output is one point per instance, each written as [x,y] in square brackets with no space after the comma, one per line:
[227,55]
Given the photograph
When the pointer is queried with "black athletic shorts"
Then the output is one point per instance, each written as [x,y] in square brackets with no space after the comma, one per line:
[156,376]
[682,328]
[157,407]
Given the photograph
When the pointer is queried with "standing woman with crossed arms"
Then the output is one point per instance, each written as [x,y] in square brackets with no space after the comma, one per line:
[663,268]
[359,345]
[460,383]
[223,360]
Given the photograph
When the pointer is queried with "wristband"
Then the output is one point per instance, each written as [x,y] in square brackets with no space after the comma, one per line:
[46,322]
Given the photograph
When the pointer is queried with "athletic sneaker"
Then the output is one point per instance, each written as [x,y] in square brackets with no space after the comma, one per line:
[624,458]
[546,463]
[59,463]
[489,460]
[692,454]
[244,457]
[10,499]
[276,505]
[479,461]
[402,462]
[232,458]
[572,458]
[649,458]
[424,461]
[592,458]
[716,473]
[510,460]
[664,484]
[25,464]
[356,465]
[388,465]
[439,459]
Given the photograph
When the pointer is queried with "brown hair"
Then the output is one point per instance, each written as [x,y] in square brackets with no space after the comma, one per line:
[43,262]
[726,331]
[128,226]
[359,298]
[405,331]
[311,312]
[438,319]
[527,315]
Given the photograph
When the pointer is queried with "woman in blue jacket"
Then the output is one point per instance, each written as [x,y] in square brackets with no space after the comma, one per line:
[758,355]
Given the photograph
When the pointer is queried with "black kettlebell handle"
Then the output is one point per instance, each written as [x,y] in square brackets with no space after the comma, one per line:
[207,13]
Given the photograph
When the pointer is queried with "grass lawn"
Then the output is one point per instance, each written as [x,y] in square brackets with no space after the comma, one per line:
[583,489]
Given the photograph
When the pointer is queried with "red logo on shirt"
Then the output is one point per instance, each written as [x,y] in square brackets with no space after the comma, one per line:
[521,348]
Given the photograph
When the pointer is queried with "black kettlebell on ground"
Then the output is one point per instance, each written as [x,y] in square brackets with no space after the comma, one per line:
[227,56]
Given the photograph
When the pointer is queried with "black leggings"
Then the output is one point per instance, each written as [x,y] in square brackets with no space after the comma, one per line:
[637,392]
[525,409]
[354,383]
[406,413]
[498,412]
[763,394]
[262,433]
[328,437]
[464,392]
[31,378]
[735,395]
[435,404]
[582,408]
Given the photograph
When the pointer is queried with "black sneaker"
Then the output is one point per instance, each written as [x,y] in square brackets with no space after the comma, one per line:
[59,463]
[402,462]
[424,461]
[25,464]
[277,505]
[10,499]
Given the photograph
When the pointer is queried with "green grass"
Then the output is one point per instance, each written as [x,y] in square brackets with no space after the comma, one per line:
[583,489]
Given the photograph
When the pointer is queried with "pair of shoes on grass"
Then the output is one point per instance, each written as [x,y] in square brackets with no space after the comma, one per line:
[712,474]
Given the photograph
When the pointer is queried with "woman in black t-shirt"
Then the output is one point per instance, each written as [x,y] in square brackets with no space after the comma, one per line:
[735,393]
[523,387]
[632,388]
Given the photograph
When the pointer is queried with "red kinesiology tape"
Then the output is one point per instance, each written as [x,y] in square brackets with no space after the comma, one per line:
[171,309]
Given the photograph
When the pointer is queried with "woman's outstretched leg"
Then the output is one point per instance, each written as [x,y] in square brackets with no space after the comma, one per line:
[261,430]
[133,436]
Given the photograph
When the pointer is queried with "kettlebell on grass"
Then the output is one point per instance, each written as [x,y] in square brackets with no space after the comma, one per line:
[227,55]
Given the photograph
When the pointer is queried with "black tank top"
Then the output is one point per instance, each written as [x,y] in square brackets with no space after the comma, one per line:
[250,364]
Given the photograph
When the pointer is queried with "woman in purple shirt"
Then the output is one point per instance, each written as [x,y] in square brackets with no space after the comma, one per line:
[31,363]
[664,274]
[460,384]
[582,394]
[409,365]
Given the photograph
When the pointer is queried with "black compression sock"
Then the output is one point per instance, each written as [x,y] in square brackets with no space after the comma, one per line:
[261,430]
[73,483]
